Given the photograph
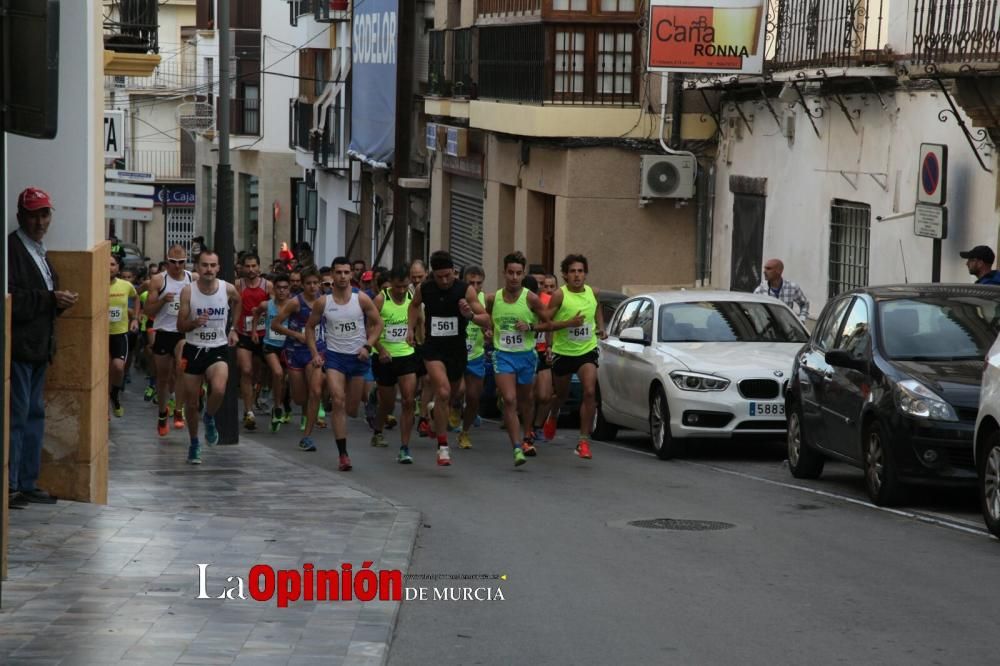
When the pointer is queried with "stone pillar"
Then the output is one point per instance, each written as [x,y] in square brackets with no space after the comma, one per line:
[75,454]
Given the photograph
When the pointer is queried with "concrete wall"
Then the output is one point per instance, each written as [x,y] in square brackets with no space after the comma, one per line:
[805,174]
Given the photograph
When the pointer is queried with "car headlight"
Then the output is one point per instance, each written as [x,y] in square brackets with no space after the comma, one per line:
[915,399]
[696,381]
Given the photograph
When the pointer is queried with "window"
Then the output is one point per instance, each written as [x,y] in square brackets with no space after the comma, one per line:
[614,63]
[826,333]
[625,317]
[850,232]
[615,6]
[857,331]
[644,319]
[729,321]
[951,328]
[569,5]
[569,61]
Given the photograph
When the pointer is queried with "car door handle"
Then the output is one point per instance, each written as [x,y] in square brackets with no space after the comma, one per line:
[828,376]
[804,361]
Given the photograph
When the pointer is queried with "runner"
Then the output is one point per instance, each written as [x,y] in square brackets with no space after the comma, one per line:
[204,310]
[295,283]
[352,326]
[274,347]
[418,274]
[253,290]
[543,375]
[515,311]
[163,304]
[448,305]
[396,362]
[305,379]
[578,322]
[149,337]
[475,368]
[123,319]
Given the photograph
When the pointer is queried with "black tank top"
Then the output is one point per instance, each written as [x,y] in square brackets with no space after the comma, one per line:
[444,325]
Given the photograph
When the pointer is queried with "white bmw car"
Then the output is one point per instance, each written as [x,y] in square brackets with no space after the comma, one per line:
[689,364]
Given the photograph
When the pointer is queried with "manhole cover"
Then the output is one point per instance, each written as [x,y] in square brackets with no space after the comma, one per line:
[678,524]
[201,472]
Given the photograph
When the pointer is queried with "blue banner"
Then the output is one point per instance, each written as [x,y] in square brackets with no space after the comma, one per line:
[373,82]
[174,195]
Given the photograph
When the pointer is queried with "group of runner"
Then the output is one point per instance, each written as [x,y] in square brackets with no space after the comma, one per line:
[323,340]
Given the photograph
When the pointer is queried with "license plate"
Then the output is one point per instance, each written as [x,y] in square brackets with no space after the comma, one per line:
[767,409]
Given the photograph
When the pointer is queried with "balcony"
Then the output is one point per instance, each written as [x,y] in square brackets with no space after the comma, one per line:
[827,33]
[300,124]
[507,9]
[331,11]
[561,64]
[131,42]
[168,76]
[164,164]
[244,116]
[329,148]
[963,32]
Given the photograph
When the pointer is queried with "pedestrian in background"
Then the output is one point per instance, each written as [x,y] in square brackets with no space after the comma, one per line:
[36,302]
[784,290]
[979,260]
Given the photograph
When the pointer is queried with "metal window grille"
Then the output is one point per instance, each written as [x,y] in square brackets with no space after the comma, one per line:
[850,242]
[439,83]
[512,63]
[464,82]
[614,63]
[826,32]
[569,62]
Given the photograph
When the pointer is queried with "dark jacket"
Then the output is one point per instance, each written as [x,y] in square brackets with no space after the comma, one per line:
[33,306]
[993,277]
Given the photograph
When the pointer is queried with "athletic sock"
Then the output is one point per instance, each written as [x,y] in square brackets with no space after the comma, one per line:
[442,440]
[342,446]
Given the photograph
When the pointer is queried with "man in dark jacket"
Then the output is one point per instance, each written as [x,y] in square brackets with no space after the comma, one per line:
[979,260]
[36,302]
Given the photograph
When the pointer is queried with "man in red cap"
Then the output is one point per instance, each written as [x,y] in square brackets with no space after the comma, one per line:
[36,302]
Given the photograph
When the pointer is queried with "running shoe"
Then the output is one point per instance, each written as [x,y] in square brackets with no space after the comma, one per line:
[286,417]
[249,421]
[540,436]
[148,394]
[424,428]
[306,444]
[549,429]
[161,426]
[404,456]
[378,440]
[390,422]
[444,456]
[276,419]
[211,432]
[519,458]
[119,411]
[455,420]
[583,449]
[529,449]
[345,464]
[194,454]
[179,419]
[464,441]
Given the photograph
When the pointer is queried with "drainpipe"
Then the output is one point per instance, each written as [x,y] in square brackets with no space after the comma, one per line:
[675,131]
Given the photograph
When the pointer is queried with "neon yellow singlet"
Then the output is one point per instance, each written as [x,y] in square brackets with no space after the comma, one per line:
[581,339]
[396,327]
[121,291]
[505,315]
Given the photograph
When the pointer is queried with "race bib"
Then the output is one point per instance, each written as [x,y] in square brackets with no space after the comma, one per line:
[174,306]
[276,337]
[511,340]
[442,327]
[540,338]
[210,335]
[469,345]
[248,323]
[318,331]
[396,332]
[580,333]
[346,327]
[115,314]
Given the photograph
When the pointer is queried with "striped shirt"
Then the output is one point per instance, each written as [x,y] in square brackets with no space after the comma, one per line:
[788,293]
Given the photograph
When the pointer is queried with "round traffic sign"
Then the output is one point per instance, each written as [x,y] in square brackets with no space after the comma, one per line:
[930,174]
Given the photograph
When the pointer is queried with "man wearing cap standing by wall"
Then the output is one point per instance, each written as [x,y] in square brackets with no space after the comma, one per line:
[36,302]
[979,260]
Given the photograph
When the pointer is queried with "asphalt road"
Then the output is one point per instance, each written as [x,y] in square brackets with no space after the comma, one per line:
[808,572]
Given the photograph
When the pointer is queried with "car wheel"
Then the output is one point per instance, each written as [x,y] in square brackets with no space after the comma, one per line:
[804,462]
[664,444]
[600,429]
[989,483]
[881,476]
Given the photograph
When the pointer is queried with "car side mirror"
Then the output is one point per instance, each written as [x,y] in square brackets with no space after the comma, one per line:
[843,359]
[635,335]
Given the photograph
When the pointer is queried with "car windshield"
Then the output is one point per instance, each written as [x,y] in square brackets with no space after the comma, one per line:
[729,321]
[939,328]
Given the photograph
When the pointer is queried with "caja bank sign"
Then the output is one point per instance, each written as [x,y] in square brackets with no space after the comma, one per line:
[707,36]
[373,81]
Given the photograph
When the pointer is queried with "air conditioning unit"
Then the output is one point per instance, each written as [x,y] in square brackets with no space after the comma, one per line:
[668,176]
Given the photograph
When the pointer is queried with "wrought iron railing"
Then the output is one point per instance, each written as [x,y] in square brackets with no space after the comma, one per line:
[826,33]
[560,64]
[508,8]
[244,116]
[171,74]
[132,26]
[463,61]
[438,79]
[168,164]
[300,123]
[329,147]
[956,31]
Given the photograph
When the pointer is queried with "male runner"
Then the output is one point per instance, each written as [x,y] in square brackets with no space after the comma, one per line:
[578,322]
[164,304]
[418,274]
[203,318]
[253,290]
[475,368]
[448,305]
[352,326]
[515,311]
[305,378]
[543,375]
[274,348]
[295,283]
[396,362]
[123,319]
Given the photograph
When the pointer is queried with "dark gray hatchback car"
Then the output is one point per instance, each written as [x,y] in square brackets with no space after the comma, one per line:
[889,382]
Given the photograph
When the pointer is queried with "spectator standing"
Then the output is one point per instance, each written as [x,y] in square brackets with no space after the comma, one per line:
[979,260]
[784,290]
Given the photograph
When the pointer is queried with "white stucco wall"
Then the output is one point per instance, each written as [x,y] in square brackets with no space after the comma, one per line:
[803,178]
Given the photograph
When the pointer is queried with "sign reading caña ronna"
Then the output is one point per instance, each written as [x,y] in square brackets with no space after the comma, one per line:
[710,36]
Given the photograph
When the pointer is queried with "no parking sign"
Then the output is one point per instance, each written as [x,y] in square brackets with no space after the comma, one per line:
[932,178]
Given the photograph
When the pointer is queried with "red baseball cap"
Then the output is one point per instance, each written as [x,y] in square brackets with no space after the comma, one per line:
[367,276]
[33,198]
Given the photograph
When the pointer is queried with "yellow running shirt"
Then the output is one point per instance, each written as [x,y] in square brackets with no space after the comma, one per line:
[121,291]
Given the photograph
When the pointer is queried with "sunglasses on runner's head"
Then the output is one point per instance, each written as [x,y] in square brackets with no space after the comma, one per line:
[178,262]
[327,284]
